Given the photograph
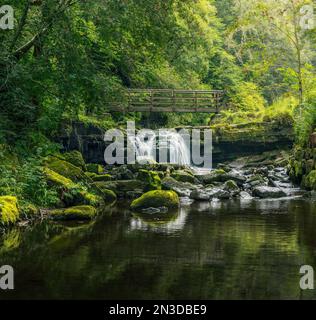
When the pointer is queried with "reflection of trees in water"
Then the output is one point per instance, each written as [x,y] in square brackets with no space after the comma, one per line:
[223,250]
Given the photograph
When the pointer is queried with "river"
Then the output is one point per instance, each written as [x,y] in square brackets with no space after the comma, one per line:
[234,249]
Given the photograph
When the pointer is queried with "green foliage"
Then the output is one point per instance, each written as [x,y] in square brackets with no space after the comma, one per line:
[305,123]
[309,181]
[27,182]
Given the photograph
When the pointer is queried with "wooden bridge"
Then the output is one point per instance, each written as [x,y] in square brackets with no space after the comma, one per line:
[170,100]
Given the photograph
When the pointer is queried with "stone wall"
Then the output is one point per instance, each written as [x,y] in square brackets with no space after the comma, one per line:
[229,143]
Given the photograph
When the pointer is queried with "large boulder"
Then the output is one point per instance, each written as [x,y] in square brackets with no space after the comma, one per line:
[9,212]
[74,213]
[268,192]
[156,199]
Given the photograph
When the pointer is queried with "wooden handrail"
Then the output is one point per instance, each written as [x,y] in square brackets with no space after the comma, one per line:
[171,100]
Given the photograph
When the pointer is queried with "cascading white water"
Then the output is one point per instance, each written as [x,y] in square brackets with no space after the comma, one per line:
[147,147]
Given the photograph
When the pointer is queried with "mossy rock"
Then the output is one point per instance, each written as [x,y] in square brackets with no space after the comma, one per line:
[9,212]
[97,177]
[91,175]
[231,186]
[219,171]
[76,159]
[74,213]
[95,168]
[183,176]
[65,169]
[107,195]
[88,198]
[156,199]
[122,185]
[150,178]
[57,179]
[102,177]
[70,192]
[309,182]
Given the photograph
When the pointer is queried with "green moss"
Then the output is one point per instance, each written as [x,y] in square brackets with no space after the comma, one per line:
[76,159]
[95,168]
[309,182]
[156,199]
[70,192]
[9,212]
[121,185]
[150,178]
[65,169]
[102,177]
[74,213]
[91,175]
[107,195]
[88,198]
[97,177]
[58,180]
[219,171]
[183,176]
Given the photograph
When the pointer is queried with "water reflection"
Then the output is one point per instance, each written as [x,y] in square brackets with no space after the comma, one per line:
[211,250]
[173,224]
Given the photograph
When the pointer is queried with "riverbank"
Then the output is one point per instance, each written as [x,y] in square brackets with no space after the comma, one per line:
[83,190]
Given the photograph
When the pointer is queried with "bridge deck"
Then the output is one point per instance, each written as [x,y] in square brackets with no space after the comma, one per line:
[169,100]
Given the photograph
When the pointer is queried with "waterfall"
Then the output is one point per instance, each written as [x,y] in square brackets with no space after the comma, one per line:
[147,145]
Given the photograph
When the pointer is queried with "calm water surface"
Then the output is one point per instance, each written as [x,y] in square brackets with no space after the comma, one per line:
[223,250]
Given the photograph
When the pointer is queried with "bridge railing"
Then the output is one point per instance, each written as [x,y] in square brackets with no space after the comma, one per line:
[171,100]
